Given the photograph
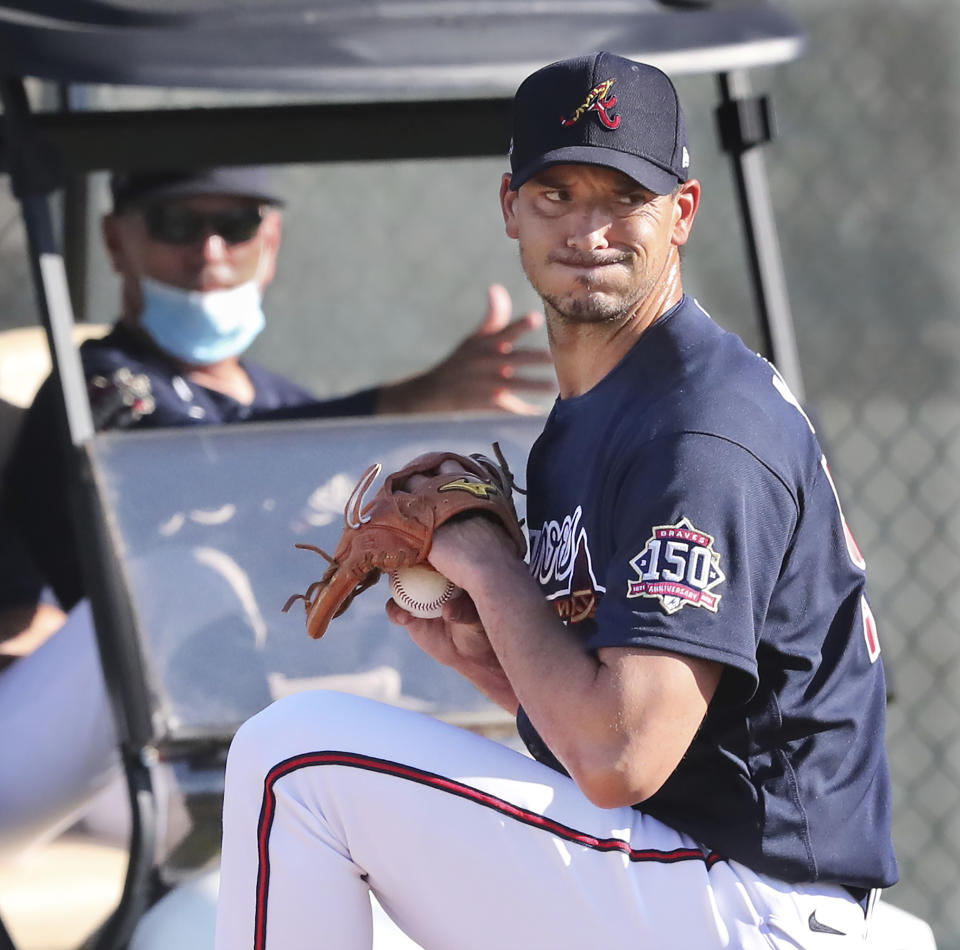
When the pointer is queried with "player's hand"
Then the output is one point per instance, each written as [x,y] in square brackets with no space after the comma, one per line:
[24,629]
[457,639]
[463,546]
[482,371]
[456,636]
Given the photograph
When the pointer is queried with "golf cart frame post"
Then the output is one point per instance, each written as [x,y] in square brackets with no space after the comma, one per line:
[373,109]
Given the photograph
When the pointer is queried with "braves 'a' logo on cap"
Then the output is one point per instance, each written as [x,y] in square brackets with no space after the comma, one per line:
[678,566]
[600,101]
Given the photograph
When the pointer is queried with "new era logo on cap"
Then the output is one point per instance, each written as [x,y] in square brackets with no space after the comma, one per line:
[600,110]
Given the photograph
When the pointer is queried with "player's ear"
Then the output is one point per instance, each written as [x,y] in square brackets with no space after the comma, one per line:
[271,232]
[120,238]
[111,227]
[508,205]
[686,203]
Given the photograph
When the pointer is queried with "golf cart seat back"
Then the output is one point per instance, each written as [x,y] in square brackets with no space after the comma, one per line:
[206,519]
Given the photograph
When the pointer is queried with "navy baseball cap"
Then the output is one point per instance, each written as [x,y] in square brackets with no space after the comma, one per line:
[600,109]
[248,181]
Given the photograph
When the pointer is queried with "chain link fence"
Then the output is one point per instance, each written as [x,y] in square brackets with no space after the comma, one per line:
[864,180]
[869,152]
[19,307]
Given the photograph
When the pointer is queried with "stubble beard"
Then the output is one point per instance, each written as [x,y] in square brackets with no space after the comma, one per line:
[592,308]
[596,305]
[593,302]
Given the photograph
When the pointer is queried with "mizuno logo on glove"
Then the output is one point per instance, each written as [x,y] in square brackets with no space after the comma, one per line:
[480,489]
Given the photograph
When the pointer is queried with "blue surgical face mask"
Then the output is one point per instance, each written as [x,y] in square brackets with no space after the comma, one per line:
[202,327]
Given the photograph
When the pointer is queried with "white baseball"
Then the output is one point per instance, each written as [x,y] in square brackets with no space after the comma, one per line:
[421,590]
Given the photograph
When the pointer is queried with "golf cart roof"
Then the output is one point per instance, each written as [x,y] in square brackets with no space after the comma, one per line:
[363,49]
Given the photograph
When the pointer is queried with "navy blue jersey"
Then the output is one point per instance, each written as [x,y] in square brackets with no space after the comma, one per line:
[683,504]
[131,384]
[127,364]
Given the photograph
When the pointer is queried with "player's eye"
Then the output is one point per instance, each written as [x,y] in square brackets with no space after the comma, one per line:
[556,194]
[171,223]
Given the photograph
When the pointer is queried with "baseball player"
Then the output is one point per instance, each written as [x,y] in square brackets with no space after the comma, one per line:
[688,648]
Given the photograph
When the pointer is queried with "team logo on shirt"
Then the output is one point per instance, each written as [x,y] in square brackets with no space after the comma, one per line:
[120,400]
[560,558]
[678,566]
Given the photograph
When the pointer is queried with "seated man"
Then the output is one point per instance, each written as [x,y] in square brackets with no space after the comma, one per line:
[194,252]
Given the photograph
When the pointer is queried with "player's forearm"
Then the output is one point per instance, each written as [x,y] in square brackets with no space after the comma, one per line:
[461,643]
[560,685]
[25,629]
[553,677]
[619,721]
[538,655]
[400,397]
[493,683]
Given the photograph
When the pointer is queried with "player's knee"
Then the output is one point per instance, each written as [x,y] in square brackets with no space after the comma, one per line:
[295,724]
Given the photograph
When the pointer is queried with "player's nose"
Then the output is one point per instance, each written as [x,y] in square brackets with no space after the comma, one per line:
[590,229]
[214,247]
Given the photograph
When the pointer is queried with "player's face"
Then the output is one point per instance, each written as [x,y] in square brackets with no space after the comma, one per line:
[593,242]
[210,242]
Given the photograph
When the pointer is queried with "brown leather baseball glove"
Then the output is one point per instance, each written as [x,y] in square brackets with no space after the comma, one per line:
[396,528]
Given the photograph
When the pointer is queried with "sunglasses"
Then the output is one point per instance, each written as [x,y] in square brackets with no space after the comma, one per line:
[171,223]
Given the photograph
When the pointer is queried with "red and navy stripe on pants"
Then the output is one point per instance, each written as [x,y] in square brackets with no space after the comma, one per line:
[443,784]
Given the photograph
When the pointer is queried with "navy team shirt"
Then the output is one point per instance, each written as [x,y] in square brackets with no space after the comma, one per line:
[131,384]
[683,504]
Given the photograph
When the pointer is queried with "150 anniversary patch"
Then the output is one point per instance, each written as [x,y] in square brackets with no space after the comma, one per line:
[678,566]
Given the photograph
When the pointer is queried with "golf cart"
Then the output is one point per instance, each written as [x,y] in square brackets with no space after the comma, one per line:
[190,532]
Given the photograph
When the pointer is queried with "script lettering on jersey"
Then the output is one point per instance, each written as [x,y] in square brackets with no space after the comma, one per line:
[552,547]
[560,558]
[679,567]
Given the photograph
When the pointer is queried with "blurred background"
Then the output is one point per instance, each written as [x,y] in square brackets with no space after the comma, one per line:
[385,267]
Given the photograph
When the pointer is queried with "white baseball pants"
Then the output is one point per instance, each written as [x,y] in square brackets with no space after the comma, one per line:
[470,845]
[60,747]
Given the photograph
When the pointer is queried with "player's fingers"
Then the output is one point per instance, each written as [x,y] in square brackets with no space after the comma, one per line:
[426,628]
[510,383]
[396,614]
[510,402]
[494,366]
[504,338]
[419,459]
[461,609]
[515,359]
[499,308]
[413,483]
[530,354]
[433,637]
[502,377]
